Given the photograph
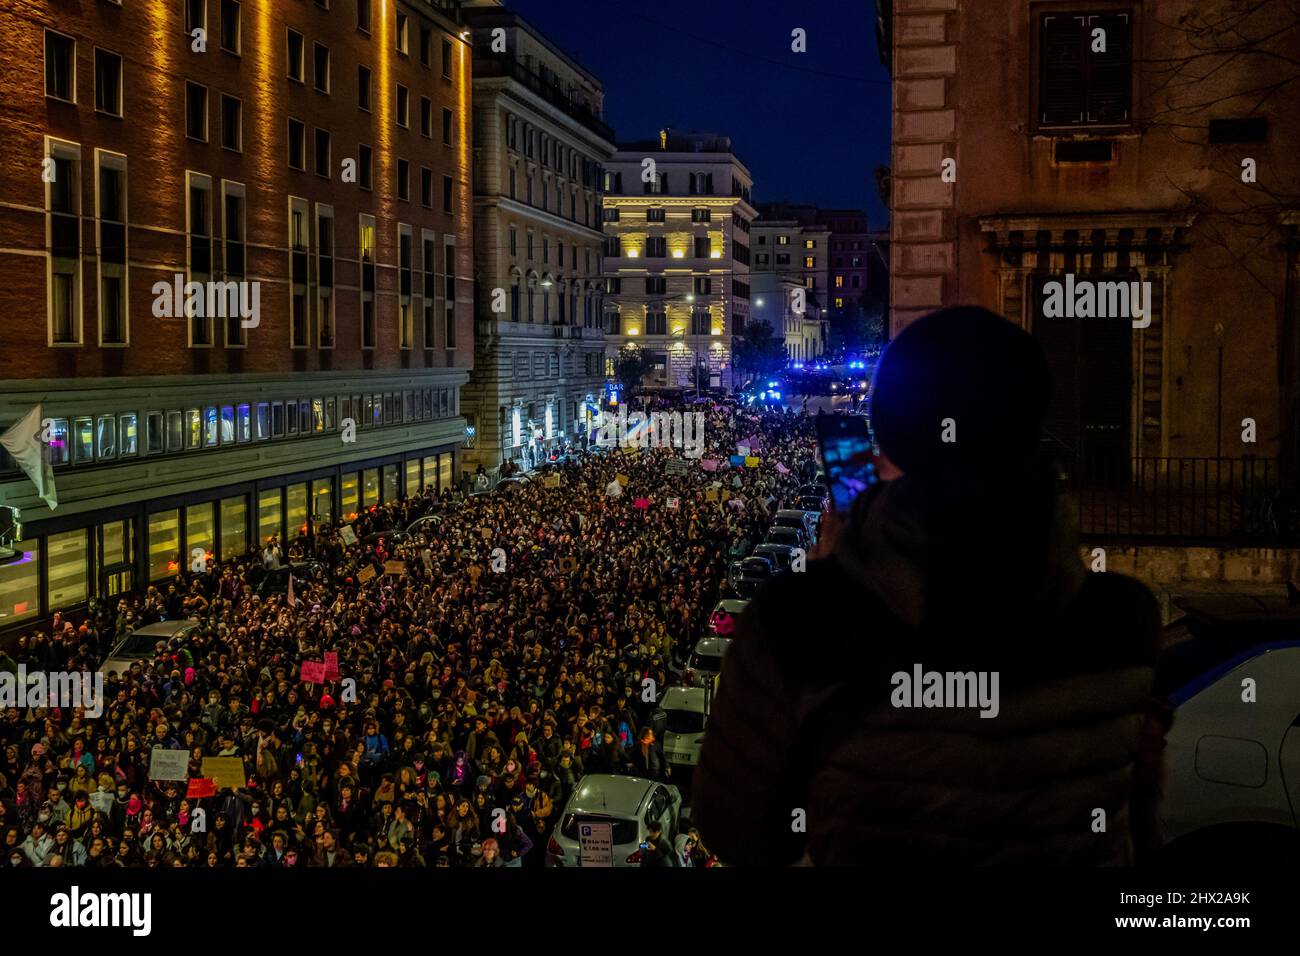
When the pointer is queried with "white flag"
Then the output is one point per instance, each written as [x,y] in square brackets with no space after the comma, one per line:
[23,442]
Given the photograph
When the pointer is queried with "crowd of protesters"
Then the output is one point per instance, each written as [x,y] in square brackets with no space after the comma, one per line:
[474,690]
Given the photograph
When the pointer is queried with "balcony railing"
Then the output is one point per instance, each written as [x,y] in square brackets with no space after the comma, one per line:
[1244,501]
[552,93]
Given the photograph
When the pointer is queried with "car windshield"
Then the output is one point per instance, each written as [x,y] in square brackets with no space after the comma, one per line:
[706,662]
[138,645]
[685,721]
[624,830]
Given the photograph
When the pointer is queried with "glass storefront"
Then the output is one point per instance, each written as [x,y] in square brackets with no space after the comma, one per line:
[431,472]
[413,477]
[20,583]
[234,527]
[297,508]
[68,568]
[200,532]
[164,544]
[370,487]
[392,490]
[350,498]
[322,490]
[444,471]
[268,516]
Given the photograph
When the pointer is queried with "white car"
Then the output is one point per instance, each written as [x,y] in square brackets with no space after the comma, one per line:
[1232,765]
[684,730]
[142,644]
[705,662]
[628,805]
[731,606]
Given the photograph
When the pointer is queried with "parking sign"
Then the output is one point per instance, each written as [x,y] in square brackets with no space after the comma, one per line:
[597,844]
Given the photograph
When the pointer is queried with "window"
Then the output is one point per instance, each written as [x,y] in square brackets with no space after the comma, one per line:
[701,215]
[809,262]
[111,199]
[426,187]
[299,288]
[402,100]
[367,255]
[295,501]
[323,153]
[363,88]
[426,44]
[268,514]
[296,65]
[60,66]
[446,59]
[297,145]
[108,83]
[655,214]
[200,234]
[703,285]
[656,285]
[426,116]
[325,275]
[196,15]
[612,247]
[405,317]
[810,243]
[164,544]
[609,215]
[232,136]
[230,26]
[196,111]
[446,193]
[702,247]
[1078,86]
[700,321]
[403,33]
[243,423]
[449,278]
[365,163]
[233,248]
[446,127]
[234,527]
[656,322]
[321,71]
[656,247]
[363,15]
[403,179]
[128,439]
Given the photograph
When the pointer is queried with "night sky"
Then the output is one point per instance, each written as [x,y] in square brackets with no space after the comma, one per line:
[810,126]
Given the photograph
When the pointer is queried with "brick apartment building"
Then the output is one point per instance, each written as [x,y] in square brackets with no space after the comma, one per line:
[1120,141]
[319,153]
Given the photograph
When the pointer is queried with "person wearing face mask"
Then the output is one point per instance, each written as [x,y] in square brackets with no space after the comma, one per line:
[72,852]
[39,844]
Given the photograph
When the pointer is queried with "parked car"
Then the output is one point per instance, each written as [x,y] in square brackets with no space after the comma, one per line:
[731,606]
[628,804]
[814,504]
[143,642]
[799,521]
[780,556]
[814,489]
[686,721]
[512,484]
[427,525]
[705,661]
[1231,789]
[748,574]
[277,581]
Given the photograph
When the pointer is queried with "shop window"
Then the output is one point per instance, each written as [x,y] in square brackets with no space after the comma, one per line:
[68,563]
[349,497]
[268,515]
[370,487]
[392,491]
[430,465]
[234,527]
[200,531]
[164,544]
[444,471]
[20,583]
[322,494]
[296,498]
[413,476]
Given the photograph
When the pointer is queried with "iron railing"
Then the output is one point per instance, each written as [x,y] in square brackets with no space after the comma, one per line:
[1210,501]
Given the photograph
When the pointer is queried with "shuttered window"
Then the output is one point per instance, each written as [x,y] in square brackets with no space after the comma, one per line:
[1085,69]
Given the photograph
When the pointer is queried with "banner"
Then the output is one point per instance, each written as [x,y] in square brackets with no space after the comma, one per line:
[225,772]
[737,461]
[201,787]
[708,464]
[167,764]
[676,466]
[395,567]
[642,503]
[751,462]
[366,574]
[331,665]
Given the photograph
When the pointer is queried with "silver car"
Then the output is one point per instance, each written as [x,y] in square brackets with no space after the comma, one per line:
[628,805]
[142,644]
[684,732]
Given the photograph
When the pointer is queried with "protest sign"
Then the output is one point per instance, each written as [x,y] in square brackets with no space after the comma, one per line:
[641,503]
[313,672]
[676,466]
[751,462]
[348,535]
[225,771]
[394,567]
[551,481]
[201,787]
[711,494]
[167,764]
[737,461]
[673,503]
[366,574]
[709,464]
[331,665]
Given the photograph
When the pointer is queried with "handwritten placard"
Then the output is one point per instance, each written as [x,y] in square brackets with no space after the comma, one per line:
[167,764]
[313,672]
[225,771]
[366,574]
[331,665]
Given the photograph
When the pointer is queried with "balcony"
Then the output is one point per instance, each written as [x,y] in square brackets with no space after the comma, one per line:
[500,66]
[1185,501]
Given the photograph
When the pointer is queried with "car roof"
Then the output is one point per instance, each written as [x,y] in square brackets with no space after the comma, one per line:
[610,794]
[773,547]
[164,629]
[712,646]
[800,513]
[683,698]
[732,605]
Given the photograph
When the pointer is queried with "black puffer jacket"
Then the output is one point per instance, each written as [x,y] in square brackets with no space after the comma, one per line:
[803,735]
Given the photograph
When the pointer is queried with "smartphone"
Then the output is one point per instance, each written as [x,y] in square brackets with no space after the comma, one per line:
[847,455]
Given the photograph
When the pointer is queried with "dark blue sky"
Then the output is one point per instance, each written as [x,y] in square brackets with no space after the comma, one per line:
[810,126]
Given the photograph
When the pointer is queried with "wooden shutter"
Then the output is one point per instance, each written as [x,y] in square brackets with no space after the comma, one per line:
[1062,90]
[1110,74]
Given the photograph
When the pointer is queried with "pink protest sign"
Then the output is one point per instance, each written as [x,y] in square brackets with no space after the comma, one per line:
[331,665]
[313,672]
[641,503]
[708,464]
